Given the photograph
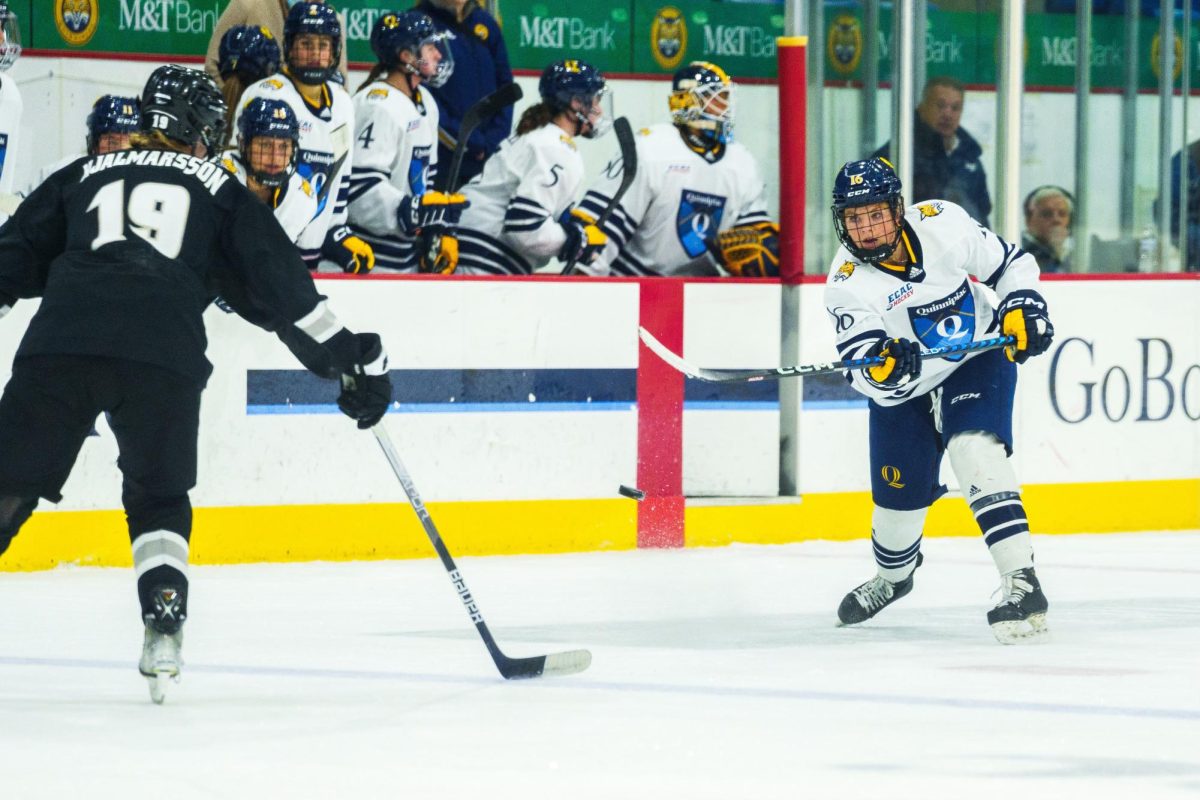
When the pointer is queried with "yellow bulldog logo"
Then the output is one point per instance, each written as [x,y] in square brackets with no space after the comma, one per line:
[929,210]
[76,20]
[844,272]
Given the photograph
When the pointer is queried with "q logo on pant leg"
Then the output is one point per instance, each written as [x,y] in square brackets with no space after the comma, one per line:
[891,476]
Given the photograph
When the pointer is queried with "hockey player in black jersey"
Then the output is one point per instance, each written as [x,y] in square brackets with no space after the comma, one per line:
[125,250]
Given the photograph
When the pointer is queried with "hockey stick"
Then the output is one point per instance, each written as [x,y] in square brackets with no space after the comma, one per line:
[484,109]
[628,171]
[565,663]
[746,376]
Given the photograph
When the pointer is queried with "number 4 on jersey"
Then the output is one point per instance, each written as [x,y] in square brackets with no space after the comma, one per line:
[365,138]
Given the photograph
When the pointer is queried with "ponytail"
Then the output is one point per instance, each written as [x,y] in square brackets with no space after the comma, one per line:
[372,76]
[232,89]
[536,116]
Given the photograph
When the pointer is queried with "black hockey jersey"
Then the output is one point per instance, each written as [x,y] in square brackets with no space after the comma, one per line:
[127,249]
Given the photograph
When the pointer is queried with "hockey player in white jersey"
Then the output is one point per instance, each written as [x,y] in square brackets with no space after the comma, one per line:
[10,110]
[311,44]
[393,205]
[265,163]
[521,211]
[925,277]
[692,183]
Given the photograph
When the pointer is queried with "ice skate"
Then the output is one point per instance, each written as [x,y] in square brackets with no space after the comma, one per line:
[161,659]
[873,596]
[1021,613]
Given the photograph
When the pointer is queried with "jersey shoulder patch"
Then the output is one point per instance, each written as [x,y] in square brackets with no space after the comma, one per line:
[274,84]
[844,271]
[931,209]
[228,164]
[376,95]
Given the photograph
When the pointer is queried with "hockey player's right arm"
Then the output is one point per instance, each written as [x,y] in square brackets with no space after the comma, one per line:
[272,280]
[861,334]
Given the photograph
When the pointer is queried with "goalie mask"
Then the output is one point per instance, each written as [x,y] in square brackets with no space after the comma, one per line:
[264,127]
[579,89]
[702,104]
[865,183]
[10,37]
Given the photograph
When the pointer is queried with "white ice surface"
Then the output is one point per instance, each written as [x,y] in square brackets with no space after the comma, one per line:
[717,674]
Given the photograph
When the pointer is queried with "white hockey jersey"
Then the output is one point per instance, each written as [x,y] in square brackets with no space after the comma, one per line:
[395,154]
[295,205]
[512,224]
[675,207]
[10,123]
[326,157]
[932,300]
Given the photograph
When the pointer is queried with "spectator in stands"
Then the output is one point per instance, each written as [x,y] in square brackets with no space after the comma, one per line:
[1193,202]
[266,13]
[1049,212]
[248,53]
[946,159]
[480,67]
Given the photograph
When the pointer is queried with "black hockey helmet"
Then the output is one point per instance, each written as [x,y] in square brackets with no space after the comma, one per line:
[184,105]
[863,183]
[321,20]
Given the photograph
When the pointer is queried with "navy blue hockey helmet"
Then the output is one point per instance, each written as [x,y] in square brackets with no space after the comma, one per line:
[248,51]
[702,100]
[10,37]
[111,114]
[576,86]
[184,105]
[273,119]
[863,183]
[321,20]
[413,31]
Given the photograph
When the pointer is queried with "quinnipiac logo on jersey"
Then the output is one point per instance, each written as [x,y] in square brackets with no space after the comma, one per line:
[698,220]
[844,44]
[948,321]
[315,168]
[76,20]
[418,166]
[668,37]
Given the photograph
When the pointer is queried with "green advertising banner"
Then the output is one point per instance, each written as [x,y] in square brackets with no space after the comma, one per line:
[738,37]
[963,45]
[642,36]
[537,32]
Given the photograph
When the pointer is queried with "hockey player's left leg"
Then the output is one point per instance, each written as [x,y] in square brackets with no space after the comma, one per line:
[160,560]
[161,659]
[990,487]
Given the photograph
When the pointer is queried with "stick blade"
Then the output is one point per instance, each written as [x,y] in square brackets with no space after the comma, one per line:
[666,354]
[566,663]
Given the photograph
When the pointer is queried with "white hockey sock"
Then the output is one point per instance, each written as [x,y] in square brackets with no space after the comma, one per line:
[990,488]
[896,539]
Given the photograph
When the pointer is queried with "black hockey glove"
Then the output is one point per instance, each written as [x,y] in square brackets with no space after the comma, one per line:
[585,241]
[348,251]
[366,388]
[1024,314]
[903,360]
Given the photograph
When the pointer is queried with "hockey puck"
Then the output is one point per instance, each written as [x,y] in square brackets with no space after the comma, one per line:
[632,493]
